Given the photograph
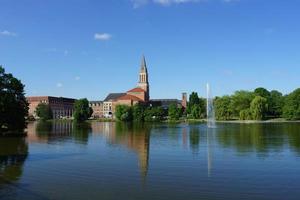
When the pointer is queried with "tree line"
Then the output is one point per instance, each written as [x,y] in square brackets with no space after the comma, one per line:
[259,104]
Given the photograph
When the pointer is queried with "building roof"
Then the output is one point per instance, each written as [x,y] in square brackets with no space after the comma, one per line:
[113,96]
[129,97]
[137,89]
[39,98]
[95,101]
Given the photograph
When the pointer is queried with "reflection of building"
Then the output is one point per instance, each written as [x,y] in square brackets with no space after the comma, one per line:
[135,138]
[61,107]
[57,131]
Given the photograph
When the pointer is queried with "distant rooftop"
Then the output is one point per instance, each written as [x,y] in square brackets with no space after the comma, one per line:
[137,89]
[113,96]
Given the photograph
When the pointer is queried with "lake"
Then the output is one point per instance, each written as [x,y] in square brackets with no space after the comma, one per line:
[107,160]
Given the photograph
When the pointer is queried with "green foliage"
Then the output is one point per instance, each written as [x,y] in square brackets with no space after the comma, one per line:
[276,103]
[196,111]
[240,101]
[124,113]
[13,104]
[154,114]
[43,111]
[82,111]
[245,114]
[258,108]
[291,109]
[196,106]
[262,92]
[174,112]
[222,108]
[138,112]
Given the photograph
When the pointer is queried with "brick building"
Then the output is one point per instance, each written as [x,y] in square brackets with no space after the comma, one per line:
[139,94]
[61,107]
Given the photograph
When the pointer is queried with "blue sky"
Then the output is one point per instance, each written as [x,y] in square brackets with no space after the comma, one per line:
[88,48]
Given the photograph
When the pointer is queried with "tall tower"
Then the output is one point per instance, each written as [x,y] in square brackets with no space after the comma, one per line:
[143,78]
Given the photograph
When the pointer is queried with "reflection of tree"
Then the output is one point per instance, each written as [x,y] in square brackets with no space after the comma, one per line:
[293,132]
[81,131]
[54,131]
[194,138]
[13,153]
[260,137]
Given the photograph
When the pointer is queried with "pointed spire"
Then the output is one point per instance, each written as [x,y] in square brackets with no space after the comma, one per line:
[143,64]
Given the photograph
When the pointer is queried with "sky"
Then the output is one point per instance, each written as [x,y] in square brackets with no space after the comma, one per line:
[89,48]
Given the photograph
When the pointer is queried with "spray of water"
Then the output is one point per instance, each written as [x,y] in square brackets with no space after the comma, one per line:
[210,112]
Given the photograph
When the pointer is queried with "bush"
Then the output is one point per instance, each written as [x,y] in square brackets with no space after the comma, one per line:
[44,112]
[154,114]
[174,112]
[124,113]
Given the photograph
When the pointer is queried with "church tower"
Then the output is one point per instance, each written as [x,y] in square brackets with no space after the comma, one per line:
[143,78]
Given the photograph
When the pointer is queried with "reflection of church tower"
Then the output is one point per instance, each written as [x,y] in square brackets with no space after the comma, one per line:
[143,152]
[143,78]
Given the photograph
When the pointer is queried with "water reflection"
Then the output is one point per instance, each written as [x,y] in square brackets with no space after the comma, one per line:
[58,131]
[259,138]
[133,136]
[109,160]
[13,153]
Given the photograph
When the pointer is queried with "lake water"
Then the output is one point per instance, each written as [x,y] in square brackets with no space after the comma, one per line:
[99,160]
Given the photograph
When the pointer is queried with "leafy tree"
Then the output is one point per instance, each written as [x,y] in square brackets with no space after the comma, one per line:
[262,92]
[200,103]
[154,114]
[43,111]
[174,112]
[258,108]
[194,98]
[222,108]
[138,112]
[291,109]
[196,111]
[276,103]
[124,113]
[82,111]
[13,104]
[240,101]
[245,114]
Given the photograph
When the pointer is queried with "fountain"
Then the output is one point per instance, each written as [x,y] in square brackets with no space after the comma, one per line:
[210,112]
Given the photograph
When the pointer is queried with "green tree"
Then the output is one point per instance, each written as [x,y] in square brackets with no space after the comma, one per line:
[196,111]
[245,114]
[174,112]
[13,104]
[138,112]
[258,108]
[43,111]
[276,103]
[241,100]
[154,114]
[262,92]
[291,109]
[222,108]
[82,111]
[200,103]
[124,113]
